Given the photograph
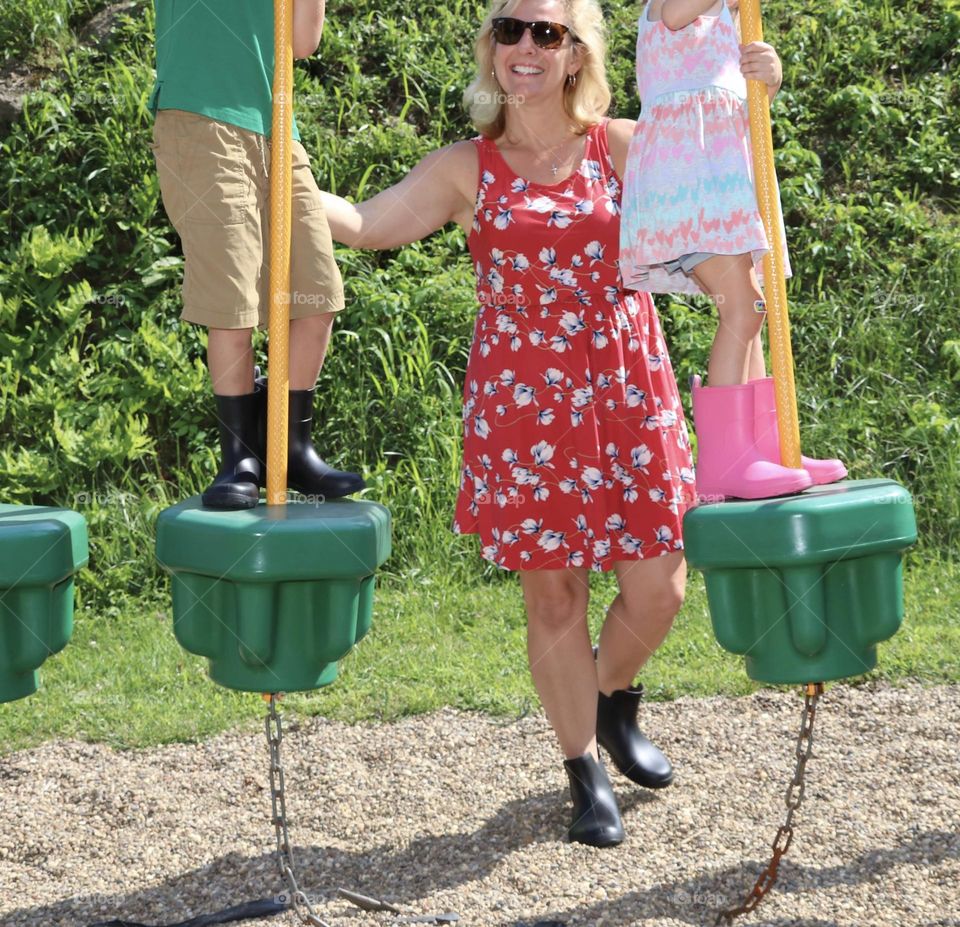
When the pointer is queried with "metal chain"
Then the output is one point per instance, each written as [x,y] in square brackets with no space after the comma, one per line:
[298,899]
[794,797]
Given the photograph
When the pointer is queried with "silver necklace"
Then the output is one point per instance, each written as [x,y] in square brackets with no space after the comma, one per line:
[555,167]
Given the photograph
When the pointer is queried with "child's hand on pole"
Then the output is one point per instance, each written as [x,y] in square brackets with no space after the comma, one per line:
[760,61]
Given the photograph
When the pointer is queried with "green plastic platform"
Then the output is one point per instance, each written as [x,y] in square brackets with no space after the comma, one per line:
[273,596]
[41,549]
[805,586]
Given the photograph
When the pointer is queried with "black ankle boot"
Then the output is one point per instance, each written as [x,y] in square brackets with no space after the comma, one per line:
[237,485]
[631,752]
[596,818]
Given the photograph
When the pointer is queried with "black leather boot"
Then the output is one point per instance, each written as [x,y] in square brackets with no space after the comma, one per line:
[237,485]
[631,752]
[596,817]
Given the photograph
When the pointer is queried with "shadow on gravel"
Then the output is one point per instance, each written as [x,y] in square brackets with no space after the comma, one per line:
[404,875]
[697,901]
[413,873]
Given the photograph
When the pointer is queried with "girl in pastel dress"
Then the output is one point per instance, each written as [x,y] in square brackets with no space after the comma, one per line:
[691,224]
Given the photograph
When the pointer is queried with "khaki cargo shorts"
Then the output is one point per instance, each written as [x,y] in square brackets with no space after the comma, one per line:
[214,180]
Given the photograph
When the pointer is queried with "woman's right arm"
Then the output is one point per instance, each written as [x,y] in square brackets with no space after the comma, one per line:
[442,188]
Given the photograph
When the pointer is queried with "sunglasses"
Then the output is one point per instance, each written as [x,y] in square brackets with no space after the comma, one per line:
[509,31]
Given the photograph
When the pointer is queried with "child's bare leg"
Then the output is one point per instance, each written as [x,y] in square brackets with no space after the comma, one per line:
[230,360]
[309,338]
[756,368]
[730,281]
[729,461]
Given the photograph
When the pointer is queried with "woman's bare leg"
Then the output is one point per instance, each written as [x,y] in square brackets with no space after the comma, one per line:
[561,662]
[639,618]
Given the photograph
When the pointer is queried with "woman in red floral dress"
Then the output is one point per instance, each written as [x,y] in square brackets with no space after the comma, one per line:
[575,451]
[576,455]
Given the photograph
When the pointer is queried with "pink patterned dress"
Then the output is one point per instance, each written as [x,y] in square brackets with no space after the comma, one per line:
[688,184]
[575,450]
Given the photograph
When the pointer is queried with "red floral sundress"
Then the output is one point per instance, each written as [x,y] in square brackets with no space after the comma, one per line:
[575,450]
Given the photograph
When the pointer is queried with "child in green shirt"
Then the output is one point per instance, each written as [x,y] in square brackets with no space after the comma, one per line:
[212,102]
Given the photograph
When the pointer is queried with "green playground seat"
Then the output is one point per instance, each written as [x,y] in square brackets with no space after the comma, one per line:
[41,549]
[273,596]
[805,586]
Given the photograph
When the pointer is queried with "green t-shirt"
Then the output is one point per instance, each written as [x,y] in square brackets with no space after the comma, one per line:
[215,58]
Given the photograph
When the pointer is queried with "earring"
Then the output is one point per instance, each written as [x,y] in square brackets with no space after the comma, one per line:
[572,80]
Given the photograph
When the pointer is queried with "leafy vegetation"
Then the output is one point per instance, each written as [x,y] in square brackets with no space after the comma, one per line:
[42,28]
[104,398]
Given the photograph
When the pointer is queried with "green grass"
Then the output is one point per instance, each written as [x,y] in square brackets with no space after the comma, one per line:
[435,641]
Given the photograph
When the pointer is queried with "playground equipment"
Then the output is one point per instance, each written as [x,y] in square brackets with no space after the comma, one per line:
[803,586]
[274,596]
[41,550]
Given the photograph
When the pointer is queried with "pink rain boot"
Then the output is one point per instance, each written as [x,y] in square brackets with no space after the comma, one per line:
[729,464]
[768,437]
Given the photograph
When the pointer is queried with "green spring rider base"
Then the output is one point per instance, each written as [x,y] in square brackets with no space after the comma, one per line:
[41,549]
[805,586]
[273,596]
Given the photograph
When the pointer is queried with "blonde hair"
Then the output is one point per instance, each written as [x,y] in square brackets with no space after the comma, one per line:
[585,100]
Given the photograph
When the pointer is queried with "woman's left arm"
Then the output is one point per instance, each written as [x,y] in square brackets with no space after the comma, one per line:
[307,26]
[760,61]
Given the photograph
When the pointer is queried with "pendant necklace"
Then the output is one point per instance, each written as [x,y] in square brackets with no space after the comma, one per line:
[555,167]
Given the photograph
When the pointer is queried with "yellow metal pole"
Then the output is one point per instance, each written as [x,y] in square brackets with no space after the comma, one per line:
[281,141]
[775,283]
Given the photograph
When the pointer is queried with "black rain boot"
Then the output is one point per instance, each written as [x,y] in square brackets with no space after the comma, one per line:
[237,485]
[596,817]
[307,472]
[631,752]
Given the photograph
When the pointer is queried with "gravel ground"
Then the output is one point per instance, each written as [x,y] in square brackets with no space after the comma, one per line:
[461,812]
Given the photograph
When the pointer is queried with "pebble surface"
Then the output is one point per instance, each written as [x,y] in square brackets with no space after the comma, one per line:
[460,812]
